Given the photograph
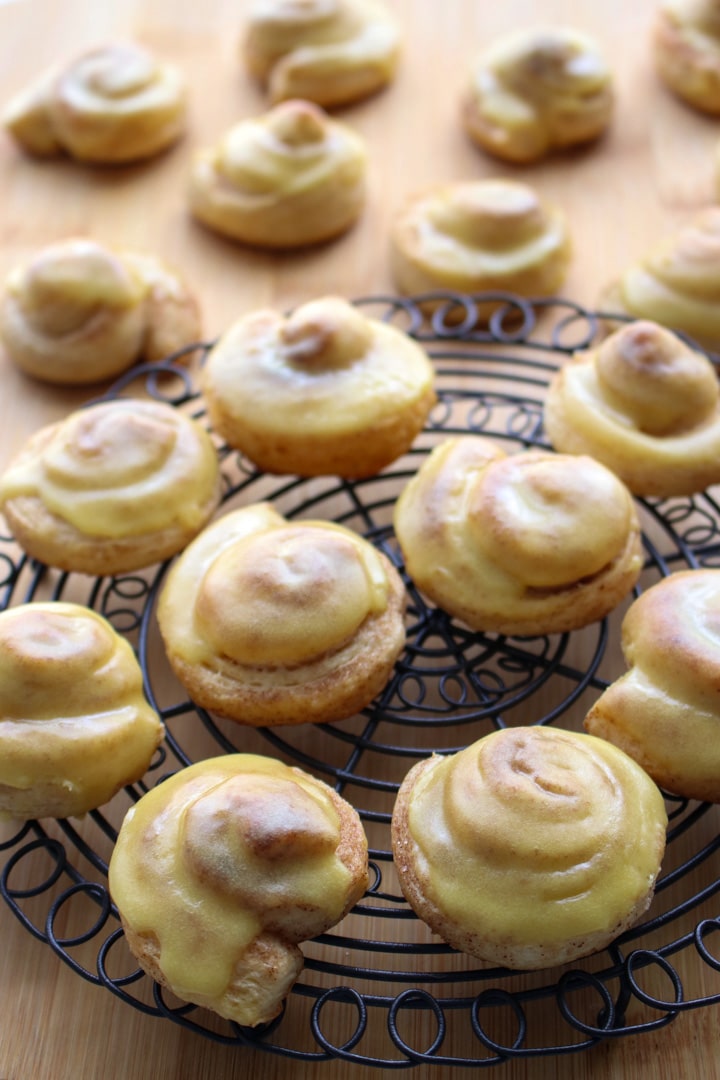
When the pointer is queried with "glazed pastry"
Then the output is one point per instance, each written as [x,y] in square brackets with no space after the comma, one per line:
[526,543]
[269,621]
[78,312]
[646,405]
[74,724]
[112,105]
[288,178]
[220,871]
[324,391]
[536,91]
[111,488]
[686,46]
[677,283]
[481,235]
[664,711]
[530,848]
[331,52]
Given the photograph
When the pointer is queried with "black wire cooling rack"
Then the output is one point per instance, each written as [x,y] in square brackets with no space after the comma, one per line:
[380,989]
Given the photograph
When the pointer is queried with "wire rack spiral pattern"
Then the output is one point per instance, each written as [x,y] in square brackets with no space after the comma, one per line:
[377,980]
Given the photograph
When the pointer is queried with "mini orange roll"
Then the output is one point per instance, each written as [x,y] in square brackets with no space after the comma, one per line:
[269,621]
[530,848]
[524,543]
[74,724]
[220,871]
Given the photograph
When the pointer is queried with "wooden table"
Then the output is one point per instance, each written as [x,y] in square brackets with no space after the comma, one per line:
[652,169]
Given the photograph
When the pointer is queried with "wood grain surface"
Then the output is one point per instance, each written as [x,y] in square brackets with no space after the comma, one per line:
[651,170]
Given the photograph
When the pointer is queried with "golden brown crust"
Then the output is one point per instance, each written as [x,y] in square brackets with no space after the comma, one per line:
[476,236]
[537,91]
[220,872]
[664,710]
[676,283]
[74,724]
[111,105]
[686,47]
[646,405]
[323,391]
[65,495]
[530,848]
[79,312]
[288,178]
[274,622]
[331,52]
[527,543]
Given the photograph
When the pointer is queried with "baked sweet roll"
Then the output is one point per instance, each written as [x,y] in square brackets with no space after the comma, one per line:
[282,180]
[686,49]
[114,487]
[78,312]
[326,390]
[526,543]
[74,724]
[332,52]
[664,710]
[532,847]
[268,621]
[677,283]
[113,104]
[644,403]
[536,91]
[224,868]
[481,235]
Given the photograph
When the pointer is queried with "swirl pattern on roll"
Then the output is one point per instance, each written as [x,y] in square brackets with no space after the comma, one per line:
[78,312]
[525,543]
[74,723]
[219,872]
[664,711]
[325,390]
[536,91]
[114,104]
[290,177]
[116,486]
[270,621]
[646,405]
[332,52]
[677,283]
[686,50]
[531,847]
[480,235]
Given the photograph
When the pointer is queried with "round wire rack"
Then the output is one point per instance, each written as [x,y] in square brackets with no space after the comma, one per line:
[380,989]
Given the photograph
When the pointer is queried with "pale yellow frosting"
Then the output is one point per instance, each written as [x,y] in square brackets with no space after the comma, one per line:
[480,235]
[256,590]
[664,709]
[115,103]
[515,539]
[328,51]
[119,468]
[288,177]
[536,836]
[646,405]
[222,852]
[73,716]
[536,90]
